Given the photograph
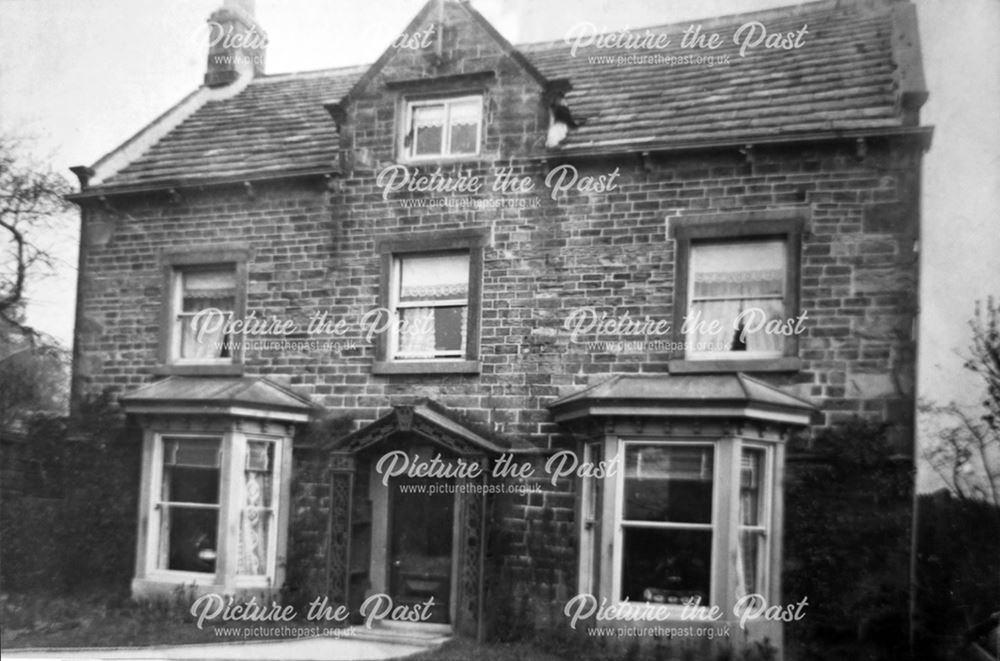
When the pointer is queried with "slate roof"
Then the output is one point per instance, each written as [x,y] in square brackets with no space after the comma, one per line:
[677,392]
[215,392]
[842,79]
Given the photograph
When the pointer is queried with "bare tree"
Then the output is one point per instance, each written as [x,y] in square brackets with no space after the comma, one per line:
[33,366]
[966,454]
[31,203]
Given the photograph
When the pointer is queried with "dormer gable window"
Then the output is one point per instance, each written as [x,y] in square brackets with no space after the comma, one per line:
[443,128]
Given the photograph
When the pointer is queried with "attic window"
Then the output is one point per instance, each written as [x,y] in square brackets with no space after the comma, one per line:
[437,128]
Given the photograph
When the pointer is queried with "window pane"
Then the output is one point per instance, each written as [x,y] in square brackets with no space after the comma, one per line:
[733,279]
[191,471]
[434,277]
[751,475]
[668,484]
[449,328]
[752,560]
[666,566]
[752,513]
[203,290]
[428,129]
[463,138]
[431,324]
[188,539]
[465,119]
[208,289]
[255,519]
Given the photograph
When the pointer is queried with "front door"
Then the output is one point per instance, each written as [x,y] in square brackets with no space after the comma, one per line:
[421,531]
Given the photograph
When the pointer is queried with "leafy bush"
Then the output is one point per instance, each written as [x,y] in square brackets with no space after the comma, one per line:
[958,573]
[847,540]
[78,523]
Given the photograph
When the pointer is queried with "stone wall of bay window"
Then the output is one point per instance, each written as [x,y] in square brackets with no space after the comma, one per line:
[314,249]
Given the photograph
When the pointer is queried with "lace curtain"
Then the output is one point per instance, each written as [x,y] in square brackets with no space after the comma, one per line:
[732,279]
[255,520]
[433,305]
[203,290]
[750,546]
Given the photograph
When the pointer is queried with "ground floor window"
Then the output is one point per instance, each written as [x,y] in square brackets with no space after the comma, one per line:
[214,501]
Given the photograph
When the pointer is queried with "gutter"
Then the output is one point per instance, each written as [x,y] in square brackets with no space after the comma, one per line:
[922,133]
[597,150]
[99,192]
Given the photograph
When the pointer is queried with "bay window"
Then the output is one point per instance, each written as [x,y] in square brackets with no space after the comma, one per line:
[213,509]
[690,521]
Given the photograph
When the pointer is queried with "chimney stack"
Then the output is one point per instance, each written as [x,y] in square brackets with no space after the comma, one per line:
[236,44]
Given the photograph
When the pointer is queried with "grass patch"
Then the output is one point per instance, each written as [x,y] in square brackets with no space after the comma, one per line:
[100,618]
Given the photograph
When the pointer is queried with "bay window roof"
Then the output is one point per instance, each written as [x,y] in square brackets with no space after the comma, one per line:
[733,395]
[237,396]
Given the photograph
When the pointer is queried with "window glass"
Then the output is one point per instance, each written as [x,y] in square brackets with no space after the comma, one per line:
[190,504]
[199,290]
[444,128]
[464,126]
[257,515]
[428,130]
[667,523]
[740,286]
[666,566]
[432,305]
[668,484]
[752,549]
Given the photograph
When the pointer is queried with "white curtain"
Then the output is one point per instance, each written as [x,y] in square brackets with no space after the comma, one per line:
[203,290]
[728,280]
[428,129]
[256,517]
[431,285]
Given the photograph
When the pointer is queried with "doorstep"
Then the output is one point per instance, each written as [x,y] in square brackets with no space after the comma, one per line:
[406,633]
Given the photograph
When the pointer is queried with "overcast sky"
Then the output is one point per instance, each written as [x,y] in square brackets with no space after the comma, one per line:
[82,76]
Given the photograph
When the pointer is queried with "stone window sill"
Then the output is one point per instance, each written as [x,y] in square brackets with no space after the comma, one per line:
[428,367]
[235,369]
[784,364]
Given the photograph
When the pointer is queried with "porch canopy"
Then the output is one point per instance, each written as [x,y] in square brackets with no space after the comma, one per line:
[426,419]
[731,395]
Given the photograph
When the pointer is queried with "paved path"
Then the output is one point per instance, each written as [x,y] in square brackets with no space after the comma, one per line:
[304,649]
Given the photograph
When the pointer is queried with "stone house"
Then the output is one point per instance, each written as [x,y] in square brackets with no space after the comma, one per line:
[637,268]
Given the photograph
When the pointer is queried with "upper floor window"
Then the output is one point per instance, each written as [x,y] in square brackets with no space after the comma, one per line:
[443,128]
[204,300]
[205,292]
[735,288]
[737,299]
[430,301]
